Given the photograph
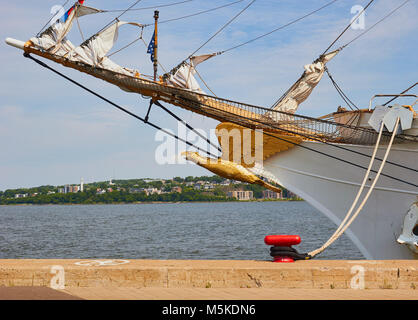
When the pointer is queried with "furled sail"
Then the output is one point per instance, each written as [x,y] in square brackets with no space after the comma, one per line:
[302,89]
[54,38]
[183,75]
[94,50]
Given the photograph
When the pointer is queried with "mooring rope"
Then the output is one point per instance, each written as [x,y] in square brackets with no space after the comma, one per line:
[345,224]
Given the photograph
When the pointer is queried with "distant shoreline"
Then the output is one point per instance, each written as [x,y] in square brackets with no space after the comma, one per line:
[143,202]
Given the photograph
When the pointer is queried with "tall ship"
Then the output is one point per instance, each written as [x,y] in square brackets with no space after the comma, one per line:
[358,166]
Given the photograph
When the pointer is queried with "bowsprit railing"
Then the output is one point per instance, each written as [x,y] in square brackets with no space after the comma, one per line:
[225,110]
[256,117]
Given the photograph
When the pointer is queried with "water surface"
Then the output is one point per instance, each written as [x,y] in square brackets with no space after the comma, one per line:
[232,230]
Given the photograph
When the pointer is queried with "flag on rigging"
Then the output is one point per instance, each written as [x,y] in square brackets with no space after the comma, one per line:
[67,14]
[151,47]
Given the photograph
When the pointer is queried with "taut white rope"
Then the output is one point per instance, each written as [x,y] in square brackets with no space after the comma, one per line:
[344,224]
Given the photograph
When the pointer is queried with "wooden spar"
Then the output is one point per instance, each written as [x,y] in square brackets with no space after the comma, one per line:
[156,16]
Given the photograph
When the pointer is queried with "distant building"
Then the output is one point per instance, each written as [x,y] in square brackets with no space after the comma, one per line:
[69,189]
[289,195]
[268,194]
[177,189]
[152,191]
[226,183]
[241,195]
[17,196]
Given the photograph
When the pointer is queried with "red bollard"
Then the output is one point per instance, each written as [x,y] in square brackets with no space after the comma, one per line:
[282,246]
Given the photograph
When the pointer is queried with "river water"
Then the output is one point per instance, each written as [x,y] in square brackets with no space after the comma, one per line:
[232,230]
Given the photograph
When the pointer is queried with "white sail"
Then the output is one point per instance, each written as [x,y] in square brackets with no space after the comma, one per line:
[94,50]
[302,89]
[54,38]
[184,76]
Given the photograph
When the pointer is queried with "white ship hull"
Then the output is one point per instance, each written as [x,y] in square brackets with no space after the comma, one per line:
[331,185]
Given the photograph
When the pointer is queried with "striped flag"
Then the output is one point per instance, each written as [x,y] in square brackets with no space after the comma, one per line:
[67,14]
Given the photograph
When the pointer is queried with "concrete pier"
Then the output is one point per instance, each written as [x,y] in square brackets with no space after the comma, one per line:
[210,279]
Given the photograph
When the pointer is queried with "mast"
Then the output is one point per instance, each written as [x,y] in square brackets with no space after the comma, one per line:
[156,16]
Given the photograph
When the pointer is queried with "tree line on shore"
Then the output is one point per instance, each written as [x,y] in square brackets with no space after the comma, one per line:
[133,191]
[91,197]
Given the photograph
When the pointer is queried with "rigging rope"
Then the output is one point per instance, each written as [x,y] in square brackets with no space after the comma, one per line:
[124,47]
[178,18]
[342,160]
[79,29]
[339,159]
[221,29]
[117,18]
[384,18]
[352,21]
[153,7]
[281,27]
[187,125]
[129,44]
[133,42]
[345,224]
[197,13]
[405,91]
[50,19]
[199,149]
[310,137]
[115,105]
[204,82]
[159,60]
[349,103]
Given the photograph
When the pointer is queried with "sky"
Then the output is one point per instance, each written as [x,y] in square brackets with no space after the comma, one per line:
[54,133]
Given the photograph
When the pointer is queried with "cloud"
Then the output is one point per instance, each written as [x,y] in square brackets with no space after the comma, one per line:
[54,132]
